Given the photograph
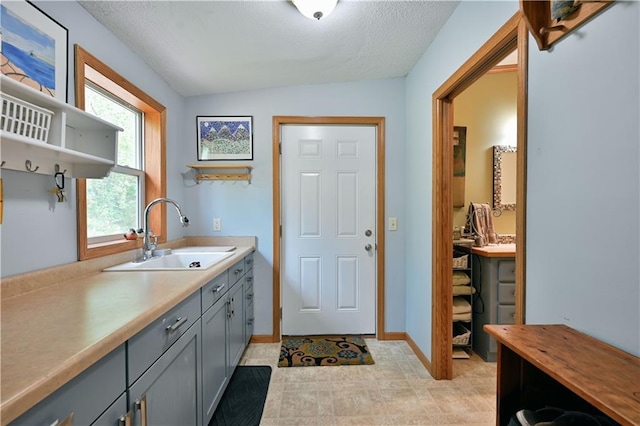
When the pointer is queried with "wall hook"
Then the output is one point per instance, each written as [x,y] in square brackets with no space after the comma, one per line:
[57,169]
[27,165]
[3,163]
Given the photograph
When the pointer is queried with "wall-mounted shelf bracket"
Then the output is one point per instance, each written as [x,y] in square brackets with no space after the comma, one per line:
[221,172]
[547,31]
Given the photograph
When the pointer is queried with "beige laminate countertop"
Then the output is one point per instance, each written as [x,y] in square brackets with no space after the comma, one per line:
[498,250]
[51,335]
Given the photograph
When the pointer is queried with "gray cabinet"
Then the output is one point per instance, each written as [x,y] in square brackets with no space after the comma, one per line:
[248,306]
[169,392]
[235,321]
[86,397]
[173,372]
[225,305]
[215,361]
[494,278]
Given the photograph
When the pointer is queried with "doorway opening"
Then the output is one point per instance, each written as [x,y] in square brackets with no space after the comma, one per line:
[379,124]
[513,35]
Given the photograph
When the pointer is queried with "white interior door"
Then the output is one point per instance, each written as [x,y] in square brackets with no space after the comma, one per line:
[328,229]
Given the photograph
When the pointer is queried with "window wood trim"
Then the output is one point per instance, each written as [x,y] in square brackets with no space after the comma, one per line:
[88,67]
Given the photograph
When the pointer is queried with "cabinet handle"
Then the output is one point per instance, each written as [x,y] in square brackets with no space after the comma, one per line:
[250,321]
[141,404]
[176,325]
[229,314]
[249,279]
[68,421]
[237,271]
[125,420]
[249,261]
[220,287]
[250,296]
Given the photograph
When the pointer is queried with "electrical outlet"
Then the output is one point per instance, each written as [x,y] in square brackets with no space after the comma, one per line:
[393,224]
[216,224]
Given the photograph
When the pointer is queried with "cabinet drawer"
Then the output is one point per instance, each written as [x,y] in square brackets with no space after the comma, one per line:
[506,293]
[214,290]
[248,262]
[506,314]
[86,396]
[147,346]
[507,271]
[236,272]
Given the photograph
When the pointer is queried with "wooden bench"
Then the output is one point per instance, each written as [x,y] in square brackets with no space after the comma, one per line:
[557,366]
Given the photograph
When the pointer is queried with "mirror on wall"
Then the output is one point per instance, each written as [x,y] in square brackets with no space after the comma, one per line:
[504,177]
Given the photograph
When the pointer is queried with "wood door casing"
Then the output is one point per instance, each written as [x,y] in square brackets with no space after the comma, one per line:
[510,36]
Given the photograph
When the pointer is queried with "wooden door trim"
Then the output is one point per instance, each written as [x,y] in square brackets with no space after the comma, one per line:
[511,35]
[379,122]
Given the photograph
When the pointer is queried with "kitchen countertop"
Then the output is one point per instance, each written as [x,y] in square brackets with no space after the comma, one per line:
[54,333]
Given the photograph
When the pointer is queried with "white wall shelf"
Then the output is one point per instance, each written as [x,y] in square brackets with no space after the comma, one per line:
[78,142]
[221,172]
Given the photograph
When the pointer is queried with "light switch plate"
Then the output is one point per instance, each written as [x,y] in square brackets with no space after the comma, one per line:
[393,224]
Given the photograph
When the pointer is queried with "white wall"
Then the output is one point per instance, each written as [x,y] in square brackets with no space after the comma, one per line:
[470,26]
[38,233]
[247,209]
[583,187]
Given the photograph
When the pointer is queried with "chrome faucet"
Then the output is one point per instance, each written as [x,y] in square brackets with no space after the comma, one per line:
[148,247]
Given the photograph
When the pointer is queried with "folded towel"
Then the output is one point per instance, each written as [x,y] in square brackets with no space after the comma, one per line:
[463,289]
[480,222]
[462,317]
[461,305]
[460,278]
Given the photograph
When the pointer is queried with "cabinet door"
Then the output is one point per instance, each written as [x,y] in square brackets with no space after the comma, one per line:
[248,306]
[169,392]
[215,370]
[236,325]
[112,416]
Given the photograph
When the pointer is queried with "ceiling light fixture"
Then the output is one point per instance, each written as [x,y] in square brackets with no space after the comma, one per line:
[315,9]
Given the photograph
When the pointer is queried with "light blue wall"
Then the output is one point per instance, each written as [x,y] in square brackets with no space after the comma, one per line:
[470,26]
[583,185]
[247,209]
[38,233]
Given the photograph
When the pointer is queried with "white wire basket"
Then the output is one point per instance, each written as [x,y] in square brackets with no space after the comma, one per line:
[461,262]
[25,119]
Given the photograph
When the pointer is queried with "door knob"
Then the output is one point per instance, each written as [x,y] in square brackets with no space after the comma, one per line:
[368,232]
[368,247]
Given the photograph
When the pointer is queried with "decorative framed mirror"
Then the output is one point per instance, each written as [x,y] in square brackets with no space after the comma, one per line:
[504,177]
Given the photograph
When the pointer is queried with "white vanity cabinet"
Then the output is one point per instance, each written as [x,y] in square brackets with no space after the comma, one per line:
[95,397]
[79,143]
[495,279]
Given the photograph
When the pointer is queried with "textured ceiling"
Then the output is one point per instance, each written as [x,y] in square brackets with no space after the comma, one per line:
[203,47]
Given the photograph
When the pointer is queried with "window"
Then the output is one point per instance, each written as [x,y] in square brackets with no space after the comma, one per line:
[108,207]
[115,203]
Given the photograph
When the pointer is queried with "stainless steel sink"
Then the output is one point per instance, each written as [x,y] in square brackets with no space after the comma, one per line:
[176,261]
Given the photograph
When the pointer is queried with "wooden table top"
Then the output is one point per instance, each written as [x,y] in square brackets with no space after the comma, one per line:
[605,376]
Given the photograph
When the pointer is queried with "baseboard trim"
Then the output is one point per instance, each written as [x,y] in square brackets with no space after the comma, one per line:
[262,338]
[423,359]
[395,335]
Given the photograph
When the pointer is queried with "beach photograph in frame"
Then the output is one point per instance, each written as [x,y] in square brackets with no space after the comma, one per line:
[34,48]
[224,138]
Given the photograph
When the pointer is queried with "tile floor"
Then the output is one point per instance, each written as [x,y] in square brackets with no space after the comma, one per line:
[396,390]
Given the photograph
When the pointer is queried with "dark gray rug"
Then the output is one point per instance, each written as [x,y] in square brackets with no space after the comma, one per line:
[243,401]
